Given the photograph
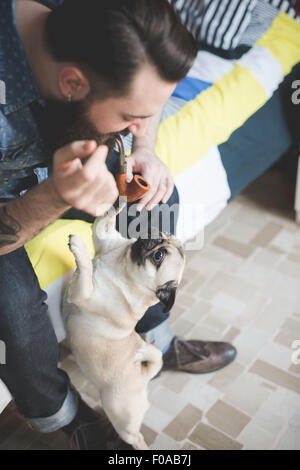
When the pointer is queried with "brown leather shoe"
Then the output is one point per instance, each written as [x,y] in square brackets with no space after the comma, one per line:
[91,430]
[197,357]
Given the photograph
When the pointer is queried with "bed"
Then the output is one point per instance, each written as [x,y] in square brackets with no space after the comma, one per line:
[225,124]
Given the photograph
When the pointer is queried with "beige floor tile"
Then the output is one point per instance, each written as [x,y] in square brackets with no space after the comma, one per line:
[240,232]
[224,377]
[276,375]
[90,390]
[164,442]
[216,226]
[290,440]
[296,315]
[251,216]
[68,364]
[229,303]
[199,310]
[285,240]
[295,419]
[149,434]
[155,383]
[215,257]
[266,385]
[231,334]
[183,423]
[278,355]
[240,249]
[245,394]
[167,400]
[189,275]
[182,327]
[204,334]
[286,285]
[232,285]
[175,381]
[294,256]
[193,288]
[270,422]
[295,368]
[93,403]
[272,317]
[202,396]
[267,234]
[212,439]
[289,332]
[257,275]
[257,304]
[290,268]
[176,312]
[77,378]
[214,322]
[187,445]
[255,438]
[227,418]
[184,299]
[283,403]
[268,258]
[205,266]
[250,343]
[156,419]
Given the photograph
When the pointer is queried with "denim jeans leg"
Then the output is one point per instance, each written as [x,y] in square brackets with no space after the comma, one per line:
[41,391]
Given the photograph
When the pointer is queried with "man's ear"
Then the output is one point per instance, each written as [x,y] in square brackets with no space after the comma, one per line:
[166,294]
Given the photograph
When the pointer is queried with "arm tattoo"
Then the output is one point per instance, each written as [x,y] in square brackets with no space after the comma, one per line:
[9,228]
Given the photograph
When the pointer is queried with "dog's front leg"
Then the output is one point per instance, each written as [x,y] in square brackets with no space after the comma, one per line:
[81,287]
[105,234]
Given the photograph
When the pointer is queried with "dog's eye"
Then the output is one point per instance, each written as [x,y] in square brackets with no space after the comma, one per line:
[159,255]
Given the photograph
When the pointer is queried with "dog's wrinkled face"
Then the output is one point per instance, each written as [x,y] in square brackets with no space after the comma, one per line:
[160,262]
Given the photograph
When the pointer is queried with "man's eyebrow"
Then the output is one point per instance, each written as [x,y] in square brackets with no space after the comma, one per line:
[132,116]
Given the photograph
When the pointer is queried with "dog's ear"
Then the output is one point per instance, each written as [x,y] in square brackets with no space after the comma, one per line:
[166,295]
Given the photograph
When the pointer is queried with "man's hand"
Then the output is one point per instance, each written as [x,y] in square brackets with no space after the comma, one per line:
[155,172]
[87,186]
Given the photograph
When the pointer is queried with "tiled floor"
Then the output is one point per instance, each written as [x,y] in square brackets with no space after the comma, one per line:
[243,287]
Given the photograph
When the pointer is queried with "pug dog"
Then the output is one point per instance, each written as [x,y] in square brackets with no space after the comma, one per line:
[103,302]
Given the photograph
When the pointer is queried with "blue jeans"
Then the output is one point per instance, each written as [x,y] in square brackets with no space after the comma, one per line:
[42,392]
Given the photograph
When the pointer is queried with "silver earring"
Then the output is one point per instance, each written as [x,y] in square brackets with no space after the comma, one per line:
[69,98]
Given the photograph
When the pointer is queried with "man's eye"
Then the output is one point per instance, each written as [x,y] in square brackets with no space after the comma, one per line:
[159,255]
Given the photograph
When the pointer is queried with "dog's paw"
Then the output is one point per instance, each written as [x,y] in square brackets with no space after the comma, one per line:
[76,245]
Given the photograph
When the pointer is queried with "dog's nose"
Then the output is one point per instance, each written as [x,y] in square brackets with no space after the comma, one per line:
[166,294]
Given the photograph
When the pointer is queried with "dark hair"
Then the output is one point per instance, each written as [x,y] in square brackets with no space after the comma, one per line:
[113,38]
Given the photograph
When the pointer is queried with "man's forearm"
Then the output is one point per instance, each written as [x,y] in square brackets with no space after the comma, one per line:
[148,140]
[22,219]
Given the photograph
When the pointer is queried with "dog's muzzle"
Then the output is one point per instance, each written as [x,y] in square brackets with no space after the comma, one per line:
[166,294]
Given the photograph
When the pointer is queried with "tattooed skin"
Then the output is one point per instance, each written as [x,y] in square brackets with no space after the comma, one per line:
[9,228]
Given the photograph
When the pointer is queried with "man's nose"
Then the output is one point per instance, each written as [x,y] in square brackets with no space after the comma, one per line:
[138,128]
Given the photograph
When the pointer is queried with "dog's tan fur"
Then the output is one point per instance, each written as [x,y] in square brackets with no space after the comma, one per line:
[105,299]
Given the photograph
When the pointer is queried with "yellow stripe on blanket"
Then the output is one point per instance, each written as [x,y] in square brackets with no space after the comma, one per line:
[49,252]
[283,41]
[217,112]
[209,119]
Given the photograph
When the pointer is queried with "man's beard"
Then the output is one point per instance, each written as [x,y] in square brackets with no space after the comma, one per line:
[64,122]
